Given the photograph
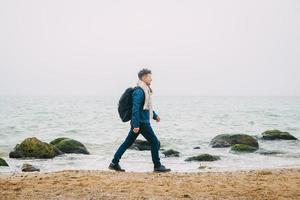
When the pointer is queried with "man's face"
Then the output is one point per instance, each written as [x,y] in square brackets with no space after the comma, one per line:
[147,79]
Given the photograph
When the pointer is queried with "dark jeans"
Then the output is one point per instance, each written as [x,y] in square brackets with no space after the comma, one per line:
[147,132]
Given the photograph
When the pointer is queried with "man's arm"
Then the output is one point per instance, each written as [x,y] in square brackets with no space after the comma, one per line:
[137,98]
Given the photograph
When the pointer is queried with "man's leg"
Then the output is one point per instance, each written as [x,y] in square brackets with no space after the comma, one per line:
[149,134]
[131,137]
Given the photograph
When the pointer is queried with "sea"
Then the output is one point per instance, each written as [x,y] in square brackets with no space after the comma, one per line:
[188,123]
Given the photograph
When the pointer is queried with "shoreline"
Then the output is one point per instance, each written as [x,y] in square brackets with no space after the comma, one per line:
[280,183]
[206,169]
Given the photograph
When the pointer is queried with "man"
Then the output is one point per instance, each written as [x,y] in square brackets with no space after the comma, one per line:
[140,123]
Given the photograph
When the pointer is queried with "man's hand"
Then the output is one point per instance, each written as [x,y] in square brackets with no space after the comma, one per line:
[158,119]
[136,130]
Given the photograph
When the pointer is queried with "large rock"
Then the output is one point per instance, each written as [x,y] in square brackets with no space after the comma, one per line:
[276,135]
[34,148]
[142,145]
[68,145]
[203,157]
[243,148]
[226,140]
[3,163]
[171,153]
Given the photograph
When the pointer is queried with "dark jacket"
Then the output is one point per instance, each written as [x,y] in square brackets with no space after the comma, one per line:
[138,114]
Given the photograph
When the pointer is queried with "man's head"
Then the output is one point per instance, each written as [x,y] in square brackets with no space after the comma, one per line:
[145,76]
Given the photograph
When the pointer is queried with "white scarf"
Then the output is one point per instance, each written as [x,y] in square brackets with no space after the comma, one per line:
[148,97]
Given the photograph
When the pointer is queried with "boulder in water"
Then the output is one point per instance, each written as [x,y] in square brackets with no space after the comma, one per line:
[171,153]
[227,140]
[34,148]
[68,145]
[3,163]
[29,168]
[142,145]
[243,148]
[277,135]
[203,157]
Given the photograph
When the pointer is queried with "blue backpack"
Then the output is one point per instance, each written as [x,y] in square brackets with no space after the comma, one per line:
[125,104]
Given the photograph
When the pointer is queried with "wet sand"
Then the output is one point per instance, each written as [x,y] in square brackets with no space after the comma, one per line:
[91,184]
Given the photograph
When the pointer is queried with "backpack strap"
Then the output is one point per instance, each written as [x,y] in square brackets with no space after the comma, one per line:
[136,87]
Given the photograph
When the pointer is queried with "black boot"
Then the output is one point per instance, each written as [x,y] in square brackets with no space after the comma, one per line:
[116,167]
[161,168]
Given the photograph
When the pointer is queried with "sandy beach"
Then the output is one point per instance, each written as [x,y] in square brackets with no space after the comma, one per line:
[92,184]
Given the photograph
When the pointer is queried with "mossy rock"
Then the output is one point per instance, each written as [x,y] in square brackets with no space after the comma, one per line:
[227,140]
[34,148]
[222,140]
[142,145]
[57,140]
[243,148]
[171,153]
[277,135]
[68,145]
[3,163]
[203,157]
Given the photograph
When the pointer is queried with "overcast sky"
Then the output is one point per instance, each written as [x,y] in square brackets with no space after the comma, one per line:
[212,47]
